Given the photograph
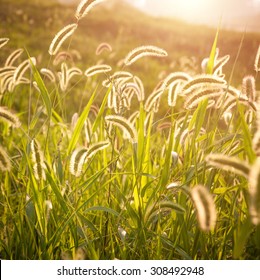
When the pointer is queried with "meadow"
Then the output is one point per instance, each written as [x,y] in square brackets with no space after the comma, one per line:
[121,142]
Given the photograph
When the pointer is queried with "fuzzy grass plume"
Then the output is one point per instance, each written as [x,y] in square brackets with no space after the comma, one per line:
[205,207]
[254,192]
[85,6]
[60,38]
[77,160]
[227,163]
[248,87]
[257,60]
[143,51]
[103,47]
[202,80]
[80,155]
[37,158]
[49,74]
[9,117]
[117,77]
[96,69]
[125,125]
[22,68]
[13,57]
[3,42]
[5,164]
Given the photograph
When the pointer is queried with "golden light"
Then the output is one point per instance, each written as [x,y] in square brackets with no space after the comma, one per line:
[193,9]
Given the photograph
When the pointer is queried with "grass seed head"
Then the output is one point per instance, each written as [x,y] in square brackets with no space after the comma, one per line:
[9,117]
[37,158]
[257,60]
[125,125]
[3,42]
[254,192]
[93,70]
[85,6]
[5,164]
[227,163]
[205,207]
[60,37]
[143,51]
[248,87]
[77,160]
[13,57]
[103,47]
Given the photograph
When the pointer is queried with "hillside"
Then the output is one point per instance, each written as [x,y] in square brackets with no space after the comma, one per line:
[32,24]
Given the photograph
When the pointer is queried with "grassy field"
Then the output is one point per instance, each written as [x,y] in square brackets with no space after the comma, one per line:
[160,161]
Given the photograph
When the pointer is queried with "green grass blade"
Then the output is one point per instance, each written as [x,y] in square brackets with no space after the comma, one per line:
[79,125]
[211,61]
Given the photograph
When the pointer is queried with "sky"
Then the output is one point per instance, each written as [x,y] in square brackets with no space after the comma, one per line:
[201,11]
[233,13]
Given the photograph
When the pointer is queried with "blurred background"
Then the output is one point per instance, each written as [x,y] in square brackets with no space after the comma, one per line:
[235,14]
[184,28]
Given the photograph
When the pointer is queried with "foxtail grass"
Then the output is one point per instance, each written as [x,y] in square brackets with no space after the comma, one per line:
[3,42]
[254,192]
[85,6]
[13,57]
[257,60]
[125,125]
[94,70]
[5,163]
[227,163]
[103,47]
[38,160]
[7,116]
[143,51]
[60,38]
[205,207]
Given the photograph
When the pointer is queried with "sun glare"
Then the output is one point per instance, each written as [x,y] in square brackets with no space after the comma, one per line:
[192,9]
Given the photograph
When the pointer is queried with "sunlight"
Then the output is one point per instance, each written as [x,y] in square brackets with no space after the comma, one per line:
[192,9]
